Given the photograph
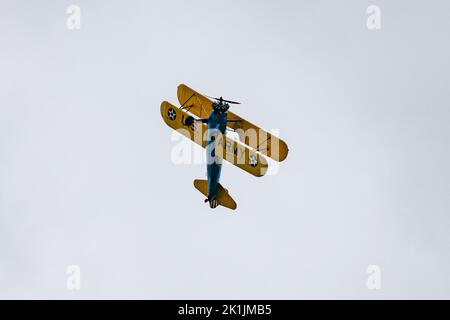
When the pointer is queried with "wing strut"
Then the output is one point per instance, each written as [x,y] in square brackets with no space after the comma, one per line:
[266,149]
[182,106]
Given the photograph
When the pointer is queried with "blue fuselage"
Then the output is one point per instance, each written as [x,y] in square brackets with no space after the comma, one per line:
[217,123]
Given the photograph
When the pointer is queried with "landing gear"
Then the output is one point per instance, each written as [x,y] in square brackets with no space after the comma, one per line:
[189,121]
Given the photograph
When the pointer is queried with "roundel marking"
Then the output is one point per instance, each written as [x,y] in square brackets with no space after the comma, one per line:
[171,113]
[253,161]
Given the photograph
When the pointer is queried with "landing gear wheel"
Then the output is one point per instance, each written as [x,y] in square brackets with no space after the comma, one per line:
[189,121]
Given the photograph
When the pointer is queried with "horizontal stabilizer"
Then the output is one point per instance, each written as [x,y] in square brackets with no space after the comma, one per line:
[223,197]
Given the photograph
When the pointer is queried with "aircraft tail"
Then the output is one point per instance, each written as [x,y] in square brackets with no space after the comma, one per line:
[223,198]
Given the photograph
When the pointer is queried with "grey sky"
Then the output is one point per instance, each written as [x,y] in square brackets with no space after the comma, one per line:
[86,176]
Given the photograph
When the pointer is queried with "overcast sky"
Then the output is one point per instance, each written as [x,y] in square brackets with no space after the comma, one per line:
[87,179]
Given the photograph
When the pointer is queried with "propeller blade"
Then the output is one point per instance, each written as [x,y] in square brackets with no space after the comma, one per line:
[232,102]
[222,99]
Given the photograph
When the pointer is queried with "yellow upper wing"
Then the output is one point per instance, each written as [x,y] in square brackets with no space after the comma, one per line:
[250,134]
[227,148]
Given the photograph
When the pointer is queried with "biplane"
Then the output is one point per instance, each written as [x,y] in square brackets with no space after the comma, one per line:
[205,120]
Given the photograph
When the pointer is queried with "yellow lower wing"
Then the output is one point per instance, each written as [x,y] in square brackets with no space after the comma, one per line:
[227,148]
[250,134]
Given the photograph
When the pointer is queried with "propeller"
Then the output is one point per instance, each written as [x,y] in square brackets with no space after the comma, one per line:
[223,100]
